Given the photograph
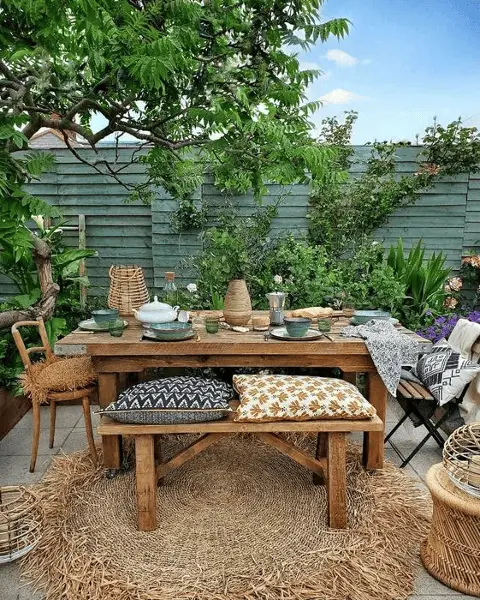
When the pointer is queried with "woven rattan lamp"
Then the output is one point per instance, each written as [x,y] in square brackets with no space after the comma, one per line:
[128,289]
[451,553]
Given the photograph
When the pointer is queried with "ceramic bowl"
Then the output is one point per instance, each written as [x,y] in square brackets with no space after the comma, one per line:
[171,331]
[363,316]
[103,316]
[297,326]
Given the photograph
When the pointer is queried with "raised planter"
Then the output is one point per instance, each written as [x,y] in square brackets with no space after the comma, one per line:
[12,409]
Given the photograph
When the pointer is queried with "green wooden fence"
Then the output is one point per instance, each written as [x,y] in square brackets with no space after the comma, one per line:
[447,217]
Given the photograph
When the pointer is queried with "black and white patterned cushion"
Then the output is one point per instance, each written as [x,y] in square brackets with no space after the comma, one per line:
[172,400]
[445,372]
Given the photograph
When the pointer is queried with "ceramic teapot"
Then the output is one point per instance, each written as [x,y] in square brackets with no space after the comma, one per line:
[156,312]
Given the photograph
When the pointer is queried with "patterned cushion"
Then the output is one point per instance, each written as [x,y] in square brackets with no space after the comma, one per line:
[298,398]
[172,400]
[445,372]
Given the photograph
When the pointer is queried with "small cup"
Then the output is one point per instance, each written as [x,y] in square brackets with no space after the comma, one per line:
[212,324]
[324,325]
[261,323]
[116,327]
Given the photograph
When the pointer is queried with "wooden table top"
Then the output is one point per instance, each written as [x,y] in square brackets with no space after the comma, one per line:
[225,342]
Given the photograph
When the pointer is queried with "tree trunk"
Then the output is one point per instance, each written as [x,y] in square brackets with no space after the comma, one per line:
[46,305]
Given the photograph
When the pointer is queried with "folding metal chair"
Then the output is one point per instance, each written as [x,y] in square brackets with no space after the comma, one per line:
[413,399]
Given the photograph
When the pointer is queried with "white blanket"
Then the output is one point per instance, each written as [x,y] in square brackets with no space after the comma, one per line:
[462,338]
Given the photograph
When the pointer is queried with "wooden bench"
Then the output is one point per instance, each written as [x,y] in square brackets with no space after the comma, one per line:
[328,465]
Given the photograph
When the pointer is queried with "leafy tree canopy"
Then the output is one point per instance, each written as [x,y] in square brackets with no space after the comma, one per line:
[200,82]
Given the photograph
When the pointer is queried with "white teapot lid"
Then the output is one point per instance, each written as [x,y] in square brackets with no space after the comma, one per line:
[156,305]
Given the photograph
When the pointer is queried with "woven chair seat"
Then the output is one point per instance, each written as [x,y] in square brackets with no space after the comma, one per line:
[58,375]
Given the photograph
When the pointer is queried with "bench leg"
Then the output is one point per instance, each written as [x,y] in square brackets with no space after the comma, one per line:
[146,482]
[321,452]
[337,481]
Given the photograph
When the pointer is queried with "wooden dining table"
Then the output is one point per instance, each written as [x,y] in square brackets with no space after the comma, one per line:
[131,353]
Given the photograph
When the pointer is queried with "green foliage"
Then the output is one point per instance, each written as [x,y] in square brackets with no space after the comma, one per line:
[215,83]
[231,250]
[22,270]
[307,275]
[424,282]
[188,216]
[367,280]
[345,210]
[452,149]
[17,205]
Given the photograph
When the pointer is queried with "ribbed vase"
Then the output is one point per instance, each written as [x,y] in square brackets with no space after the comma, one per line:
[237,308]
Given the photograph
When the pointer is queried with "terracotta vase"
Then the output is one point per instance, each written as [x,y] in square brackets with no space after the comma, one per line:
[237,308]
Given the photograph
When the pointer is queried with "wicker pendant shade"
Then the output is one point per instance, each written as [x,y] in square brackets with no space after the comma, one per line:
[461,458]
[128,289]
[21,519]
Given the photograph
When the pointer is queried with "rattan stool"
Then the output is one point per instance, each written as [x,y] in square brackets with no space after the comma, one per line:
[451,553]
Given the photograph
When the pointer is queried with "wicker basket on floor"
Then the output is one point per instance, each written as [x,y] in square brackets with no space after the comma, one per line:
[21,519]
[128,289]
[451,553]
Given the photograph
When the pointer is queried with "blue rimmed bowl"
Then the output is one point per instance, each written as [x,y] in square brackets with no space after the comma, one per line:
[297,327]
[104,316]
[171,331]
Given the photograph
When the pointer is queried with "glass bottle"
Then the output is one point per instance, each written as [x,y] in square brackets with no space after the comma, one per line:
[170,292]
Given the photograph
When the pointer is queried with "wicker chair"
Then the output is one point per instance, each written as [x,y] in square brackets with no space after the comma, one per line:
[53,397]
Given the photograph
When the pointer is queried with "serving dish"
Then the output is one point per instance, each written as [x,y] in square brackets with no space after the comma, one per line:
[156,312]
[281,333]
[171,331]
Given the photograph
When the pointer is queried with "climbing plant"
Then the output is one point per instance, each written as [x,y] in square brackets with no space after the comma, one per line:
[344,210]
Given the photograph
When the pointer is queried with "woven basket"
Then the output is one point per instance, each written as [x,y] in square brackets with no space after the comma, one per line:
[21,519]
[451,553]
[461,458]
[128,289]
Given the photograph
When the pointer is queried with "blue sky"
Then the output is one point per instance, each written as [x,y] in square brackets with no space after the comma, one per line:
[405,61]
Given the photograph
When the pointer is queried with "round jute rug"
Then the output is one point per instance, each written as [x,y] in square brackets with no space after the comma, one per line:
[240,521]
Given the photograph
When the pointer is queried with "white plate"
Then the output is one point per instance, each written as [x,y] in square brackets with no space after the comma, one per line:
[281,334]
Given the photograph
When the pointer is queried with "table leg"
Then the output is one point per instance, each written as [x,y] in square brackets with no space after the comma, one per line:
[146,483]
[112,444]
[373,444]
[158,454]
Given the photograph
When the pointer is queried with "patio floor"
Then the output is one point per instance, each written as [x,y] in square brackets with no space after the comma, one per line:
[70,436]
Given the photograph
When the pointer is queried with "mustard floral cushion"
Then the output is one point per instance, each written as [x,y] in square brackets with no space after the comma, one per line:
[298,398]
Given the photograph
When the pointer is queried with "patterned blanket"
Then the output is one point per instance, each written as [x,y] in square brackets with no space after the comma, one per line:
[390,350]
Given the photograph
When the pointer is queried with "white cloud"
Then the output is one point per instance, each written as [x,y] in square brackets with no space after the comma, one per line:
[340,96]
[341,58]
[366,61]
[306,65]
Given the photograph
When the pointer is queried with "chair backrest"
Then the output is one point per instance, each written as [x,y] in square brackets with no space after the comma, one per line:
[22,349]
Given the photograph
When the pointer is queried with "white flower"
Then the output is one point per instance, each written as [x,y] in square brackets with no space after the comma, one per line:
[39,221]
[192,287]
[278,279]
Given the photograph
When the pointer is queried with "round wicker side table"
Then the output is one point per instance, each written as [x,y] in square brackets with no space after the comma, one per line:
[451,552]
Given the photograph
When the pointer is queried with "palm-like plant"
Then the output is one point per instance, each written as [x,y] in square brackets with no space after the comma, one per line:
[424,281]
